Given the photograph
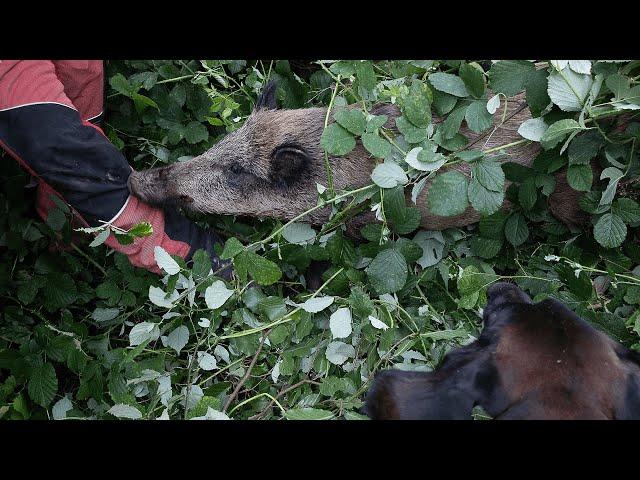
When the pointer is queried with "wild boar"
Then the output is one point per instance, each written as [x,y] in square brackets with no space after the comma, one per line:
[270,166]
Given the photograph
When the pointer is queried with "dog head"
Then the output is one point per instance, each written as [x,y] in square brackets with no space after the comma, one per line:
[532,361]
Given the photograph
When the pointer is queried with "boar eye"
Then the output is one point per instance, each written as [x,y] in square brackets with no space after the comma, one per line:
[288,163]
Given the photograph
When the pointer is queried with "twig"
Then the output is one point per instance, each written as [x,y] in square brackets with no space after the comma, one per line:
[281,393]
[235,392]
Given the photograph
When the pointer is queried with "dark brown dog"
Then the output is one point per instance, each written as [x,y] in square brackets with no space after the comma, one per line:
[532,361]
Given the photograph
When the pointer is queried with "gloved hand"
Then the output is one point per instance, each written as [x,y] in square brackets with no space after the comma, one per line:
[70,157]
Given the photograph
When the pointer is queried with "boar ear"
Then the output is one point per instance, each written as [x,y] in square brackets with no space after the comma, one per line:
[288,163]
[267,99]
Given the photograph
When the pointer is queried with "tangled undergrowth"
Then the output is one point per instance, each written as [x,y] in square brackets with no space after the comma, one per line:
[83,334]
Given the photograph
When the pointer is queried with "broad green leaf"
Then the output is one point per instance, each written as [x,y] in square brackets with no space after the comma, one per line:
[340,323]
[610,230]
[317,304]
[308,414]
[627,209]
[217,294]
[614,175]
[389,175]
[411,133]
[473,77]
[376,145]
[232,247]
[432,244]
[164,260]
[425,160]
[43,384]
[417,106]
[448,83]
[143,331]
[388,271]
[477,117]
[339,352]
[299,233]
[206,361]
[121,410]
[580,177]
[351,119]
[195,132]
[159,297]
[569,90]
[61,407]
[485,247]
[493,104]
[510,76]
[489,173]
[448,194]
[527,193]
[483,200]
[264,271]
[177,339]
[558,131]
[516,230]
[452,123]
[584,147]
[336,140]
[533,129]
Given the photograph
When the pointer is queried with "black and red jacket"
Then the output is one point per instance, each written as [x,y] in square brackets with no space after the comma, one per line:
[49,110]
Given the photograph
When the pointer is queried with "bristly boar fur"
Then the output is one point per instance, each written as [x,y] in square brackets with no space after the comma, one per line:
[270,166]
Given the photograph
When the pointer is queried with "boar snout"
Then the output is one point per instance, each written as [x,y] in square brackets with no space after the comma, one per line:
[155,186]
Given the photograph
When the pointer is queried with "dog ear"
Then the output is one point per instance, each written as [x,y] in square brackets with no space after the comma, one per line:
[267,99]
[400,395]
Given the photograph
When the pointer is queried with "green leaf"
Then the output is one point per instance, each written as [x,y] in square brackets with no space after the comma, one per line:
[510,76]
[452,123]
[537,96]
[584,147]
[473,77]
[336,140]
[177,339]
[411,133]
[263,271]
[417,106]
[627,209]
[558,132]
[485,247]
[490,174]
[448,83]
[232,247]
[532,129]
[527,193]
[60,291]
[351,119]
[195,132]
[477,117]
[43,384]
[569,90]
[614,175]
[376,145]
[308,414]
[388,271]
[448,194]
[580,177]
[483,200]
[365,74]
[516,230]
[389,175]
[217,294]
[56,219]
[299,233]
[610,230]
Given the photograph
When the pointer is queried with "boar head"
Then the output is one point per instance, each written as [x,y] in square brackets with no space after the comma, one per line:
[267,168]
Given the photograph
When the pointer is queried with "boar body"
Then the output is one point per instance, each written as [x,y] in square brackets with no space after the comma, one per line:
[270,166]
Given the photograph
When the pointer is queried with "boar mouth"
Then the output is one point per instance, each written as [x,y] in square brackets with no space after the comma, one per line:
[138,188]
